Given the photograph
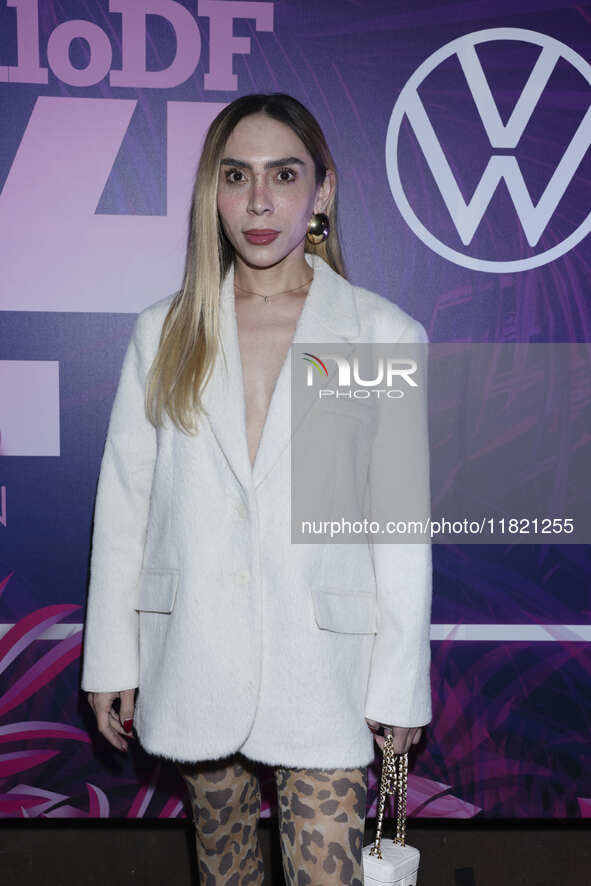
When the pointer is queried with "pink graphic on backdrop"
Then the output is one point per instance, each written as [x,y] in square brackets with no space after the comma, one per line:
[222,42]
[130,16]
[187,37]
[29,407]
[58,53]
[26,801]
[91,262]
[585,807]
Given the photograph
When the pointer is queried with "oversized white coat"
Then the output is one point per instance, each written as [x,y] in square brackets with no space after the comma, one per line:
[238,639]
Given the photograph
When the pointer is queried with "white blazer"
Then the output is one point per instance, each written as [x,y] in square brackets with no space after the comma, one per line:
[236,638]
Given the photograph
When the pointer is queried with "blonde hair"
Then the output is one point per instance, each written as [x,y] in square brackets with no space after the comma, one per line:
[189,343]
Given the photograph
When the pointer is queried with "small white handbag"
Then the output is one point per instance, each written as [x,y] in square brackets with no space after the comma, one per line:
[391,862]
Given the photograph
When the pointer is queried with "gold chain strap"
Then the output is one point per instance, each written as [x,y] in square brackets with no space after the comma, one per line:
[394,781]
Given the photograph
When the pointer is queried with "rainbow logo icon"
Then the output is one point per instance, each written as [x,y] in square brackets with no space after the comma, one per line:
[315,361]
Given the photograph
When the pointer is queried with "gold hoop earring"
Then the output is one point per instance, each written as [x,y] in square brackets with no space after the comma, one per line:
[318,228]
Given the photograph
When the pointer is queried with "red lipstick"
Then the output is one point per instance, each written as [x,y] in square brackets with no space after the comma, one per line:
[261,236]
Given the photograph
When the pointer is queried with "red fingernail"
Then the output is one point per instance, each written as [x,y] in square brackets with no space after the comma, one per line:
[127,725]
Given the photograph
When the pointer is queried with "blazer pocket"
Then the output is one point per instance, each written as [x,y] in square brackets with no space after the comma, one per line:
[347,612]
[158,588]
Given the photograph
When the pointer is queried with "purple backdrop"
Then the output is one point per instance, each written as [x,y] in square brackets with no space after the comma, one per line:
[461,135]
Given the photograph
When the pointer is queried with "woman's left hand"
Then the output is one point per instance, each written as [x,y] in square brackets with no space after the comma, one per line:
[403,736]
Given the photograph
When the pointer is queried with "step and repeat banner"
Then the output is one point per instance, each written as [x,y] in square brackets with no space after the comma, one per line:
[461,136]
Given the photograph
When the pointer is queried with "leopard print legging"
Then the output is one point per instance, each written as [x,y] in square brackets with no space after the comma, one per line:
[321,816]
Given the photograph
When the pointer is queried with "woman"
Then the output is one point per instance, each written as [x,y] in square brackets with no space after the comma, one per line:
[245,647]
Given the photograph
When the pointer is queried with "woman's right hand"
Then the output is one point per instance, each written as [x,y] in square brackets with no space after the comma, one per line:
[110,723]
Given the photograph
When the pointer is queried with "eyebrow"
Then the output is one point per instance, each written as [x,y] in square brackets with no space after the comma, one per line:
[270,164]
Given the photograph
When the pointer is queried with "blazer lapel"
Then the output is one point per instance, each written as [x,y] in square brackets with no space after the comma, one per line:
[329,315]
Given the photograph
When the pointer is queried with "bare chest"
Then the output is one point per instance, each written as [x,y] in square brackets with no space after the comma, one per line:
[265,333]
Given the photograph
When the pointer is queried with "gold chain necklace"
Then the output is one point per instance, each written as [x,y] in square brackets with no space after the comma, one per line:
[273,294]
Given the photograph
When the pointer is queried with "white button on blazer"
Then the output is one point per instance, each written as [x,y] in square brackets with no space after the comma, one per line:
[238,639]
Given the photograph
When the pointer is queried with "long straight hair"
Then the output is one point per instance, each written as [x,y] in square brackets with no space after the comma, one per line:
[189,343]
